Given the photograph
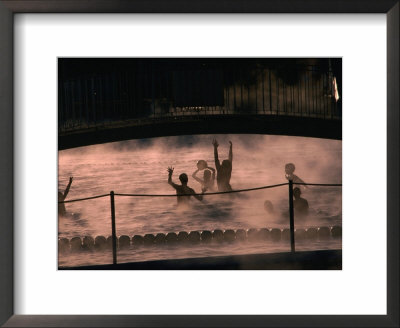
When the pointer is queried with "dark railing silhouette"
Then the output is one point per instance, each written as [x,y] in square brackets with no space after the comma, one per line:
[153,94]
[112,195]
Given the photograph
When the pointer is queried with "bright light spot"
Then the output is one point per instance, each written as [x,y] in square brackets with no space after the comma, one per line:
[335,89]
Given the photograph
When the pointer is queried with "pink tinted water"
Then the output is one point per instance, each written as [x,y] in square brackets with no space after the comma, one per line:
[140,167]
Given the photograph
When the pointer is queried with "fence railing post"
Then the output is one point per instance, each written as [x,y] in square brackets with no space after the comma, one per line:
[291,214]
[114,236]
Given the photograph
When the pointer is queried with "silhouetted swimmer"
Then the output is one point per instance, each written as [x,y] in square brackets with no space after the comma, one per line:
[201,164]
[276,216]
[182,189]
[289,169]
[207,183]
[268,207]
[224,170]
[300,204]
[61,198]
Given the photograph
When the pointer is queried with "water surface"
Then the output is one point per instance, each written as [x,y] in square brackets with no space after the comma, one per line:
[140,167]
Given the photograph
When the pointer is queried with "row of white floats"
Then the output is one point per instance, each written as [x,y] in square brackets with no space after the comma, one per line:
[193,237]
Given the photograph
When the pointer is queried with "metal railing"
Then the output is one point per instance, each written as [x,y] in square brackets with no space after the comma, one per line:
[290,184]
[108,99]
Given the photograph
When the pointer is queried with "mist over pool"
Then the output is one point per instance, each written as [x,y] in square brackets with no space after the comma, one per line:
[140,167]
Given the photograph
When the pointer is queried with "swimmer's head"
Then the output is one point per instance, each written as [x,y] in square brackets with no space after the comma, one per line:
[289,168]
[226,164]
[201,164]
[296,192]
[268,206]
[183,178]
[207,175]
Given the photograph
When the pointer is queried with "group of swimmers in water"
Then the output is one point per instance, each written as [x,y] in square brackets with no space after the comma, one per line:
[300,205]
[222,173]
[223,170]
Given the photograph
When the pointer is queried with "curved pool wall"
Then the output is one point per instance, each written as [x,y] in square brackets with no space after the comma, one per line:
[306,260]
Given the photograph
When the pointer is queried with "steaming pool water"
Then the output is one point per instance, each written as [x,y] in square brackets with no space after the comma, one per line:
[140,167]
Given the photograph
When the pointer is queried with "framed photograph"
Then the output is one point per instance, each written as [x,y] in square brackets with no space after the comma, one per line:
[280,113]
[198,164]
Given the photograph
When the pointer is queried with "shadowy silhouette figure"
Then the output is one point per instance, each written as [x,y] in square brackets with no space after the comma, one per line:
[207,183]
[289,169]
[62,196]
[224,171]
[300,204]
[182,189]
[268,207]
[275,216]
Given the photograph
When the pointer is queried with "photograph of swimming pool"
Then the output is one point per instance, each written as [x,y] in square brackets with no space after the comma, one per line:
[199,163]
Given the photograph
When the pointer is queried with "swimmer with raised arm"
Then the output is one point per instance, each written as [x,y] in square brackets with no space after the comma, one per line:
[207,183]
[61,198]
[183,188]
[289,169]
[224,170]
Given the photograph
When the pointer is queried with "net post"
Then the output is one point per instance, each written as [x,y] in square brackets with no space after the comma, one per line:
[114,236]
[291,214]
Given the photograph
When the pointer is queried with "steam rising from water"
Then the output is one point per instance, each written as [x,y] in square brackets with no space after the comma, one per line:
[139,166]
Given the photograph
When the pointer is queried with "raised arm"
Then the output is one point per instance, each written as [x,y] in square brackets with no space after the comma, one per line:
[215,144]
[195,177]
[68,187]
[298,180]
[230,152]
[170,171]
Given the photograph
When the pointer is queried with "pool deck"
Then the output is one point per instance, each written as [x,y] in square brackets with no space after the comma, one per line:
[306,260]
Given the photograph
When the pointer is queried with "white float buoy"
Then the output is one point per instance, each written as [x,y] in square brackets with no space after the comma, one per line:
[324,232]
[159,239]
[182,236]
[252,234]
[285,234]
[109,242]
[149,239]
[137,240]
[264,234]
[124,241]
[229,235]
[76,243]
[276,234]
[312,233]
[300,234]
[100,242]
[171,238]
[63,245]
[336,231]
[241,234]
[218,235]
[88,242]
[194,237]
[206,236]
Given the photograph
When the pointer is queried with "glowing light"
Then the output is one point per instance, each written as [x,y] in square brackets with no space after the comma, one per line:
[335,89]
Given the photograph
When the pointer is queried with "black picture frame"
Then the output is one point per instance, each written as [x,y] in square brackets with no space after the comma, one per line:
[10,7]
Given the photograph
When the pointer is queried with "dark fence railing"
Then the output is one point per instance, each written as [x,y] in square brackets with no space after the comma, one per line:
[112,195]
[153,93]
